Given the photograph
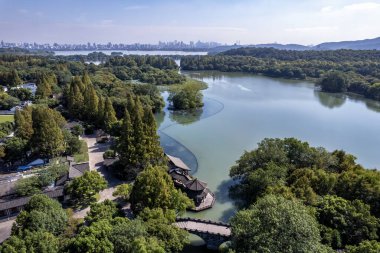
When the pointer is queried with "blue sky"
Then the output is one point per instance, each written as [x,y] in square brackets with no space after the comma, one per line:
[148,21]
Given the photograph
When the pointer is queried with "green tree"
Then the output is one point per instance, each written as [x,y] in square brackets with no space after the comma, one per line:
[13,78]
[275,224]
[31,242]
[152,143]
[83,190]
[123,191]
[43,88]
[334,82]
[159,224]
[352,221]
[109,114]
[24,123]
[91,102]
[92,239]
[7,101]
[15,149]
[365,247]
[99,211]
[154,188]
[48,139]
[41,214]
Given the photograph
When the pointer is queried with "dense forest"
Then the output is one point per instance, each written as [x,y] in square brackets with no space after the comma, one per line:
[359,70]
[287,189]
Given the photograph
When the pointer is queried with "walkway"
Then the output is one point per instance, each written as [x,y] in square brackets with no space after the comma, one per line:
[204,226]
[213,233]
[95,155]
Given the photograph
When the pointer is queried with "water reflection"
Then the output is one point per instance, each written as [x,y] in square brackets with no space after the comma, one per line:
[330,100]
[186,117]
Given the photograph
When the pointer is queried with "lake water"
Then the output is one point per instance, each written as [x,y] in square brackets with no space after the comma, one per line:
[241,110]
[127,52]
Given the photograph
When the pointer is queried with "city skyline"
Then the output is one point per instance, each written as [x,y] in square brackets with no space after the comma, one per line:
[250,22]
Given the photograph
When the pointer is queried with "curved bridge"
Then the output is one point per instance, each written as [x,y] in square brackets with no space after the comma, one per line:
[213,233]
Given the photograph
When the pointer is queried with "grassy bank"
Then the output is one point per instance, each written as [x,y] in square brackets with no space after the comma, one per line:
[5,118]
[82,156]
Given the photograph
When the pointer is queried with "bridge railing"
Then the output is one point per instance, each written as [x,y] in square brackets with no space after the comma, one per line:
[219,223]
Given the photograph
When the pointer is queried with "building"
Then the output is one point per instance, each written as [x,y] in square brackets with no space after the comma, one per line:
[11,206]
[194,188]
[29,86]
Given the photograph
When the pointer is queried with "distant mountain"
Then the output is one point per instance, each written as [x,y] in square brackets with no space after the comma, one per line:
[284,47]
[367,44]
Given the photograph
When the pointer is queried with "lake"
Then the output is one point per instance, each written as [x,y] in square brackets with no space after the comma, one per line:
[127,52]
[241,110]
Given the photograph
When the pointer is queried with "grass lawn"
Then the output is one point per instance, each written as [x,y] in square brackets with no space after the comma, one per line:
[4,118]
[82,156]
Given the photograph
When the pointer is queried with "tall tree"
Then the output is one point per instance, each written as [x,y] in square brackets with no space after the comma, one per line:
[24,123]
[47,138]
[126,149]
[91,103]
[152,143]
[109,114]
[43,87]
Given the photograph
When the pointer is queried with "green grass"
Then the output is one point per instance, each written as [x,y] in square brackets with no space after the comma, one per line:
[5,118]
[82,156]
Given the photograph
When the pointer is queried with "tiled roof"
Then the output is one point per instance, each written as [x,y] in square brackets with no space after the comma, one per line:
[178,162]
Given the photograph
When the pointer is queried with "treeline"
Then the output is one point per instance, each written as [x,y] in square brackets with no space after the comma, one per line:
[360,68]
[38,131]
[285,182]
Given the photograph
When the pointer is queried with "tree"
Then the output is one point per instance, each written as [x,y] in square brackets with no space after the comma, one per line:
[7,101]
[73,144]
[123,191]
[152,143]
[334,82]
[41,214]
[109,114]
[275,224]
[83,190]
[48,138]
[186,97]
[13,78]
[22,94]
[91,103]
[154,188]
[125,232]
[352,221]
[374,91]
[159,224]
[33,242]
[365,247]
[256,183]
[126,149]
[92,239]
[75,98]
[99,211]
[24,123]
[43,88]
[15,149]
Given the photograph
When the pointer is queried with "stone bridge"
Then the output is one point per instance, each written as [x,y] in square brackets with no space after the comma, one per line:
[212,232]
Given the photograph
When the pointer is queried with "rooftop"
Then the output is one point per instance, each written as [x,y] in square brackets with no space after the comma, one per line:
[178,162]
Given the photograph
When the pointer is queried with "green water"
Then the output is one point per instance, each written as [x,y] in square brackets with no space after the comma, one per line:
[242,109]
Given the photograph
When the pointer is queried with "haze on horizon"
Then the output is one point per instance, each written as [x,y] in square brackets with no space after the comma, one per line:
[147,21]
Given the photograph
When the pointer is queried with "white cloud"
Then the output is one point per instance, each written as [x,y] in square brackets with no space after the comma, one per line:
[368,6]
[326,9]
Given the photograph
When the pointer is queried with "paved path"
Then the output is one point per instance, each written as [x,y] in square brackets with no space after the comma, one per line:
[95,155]
[5,229]
[204,227]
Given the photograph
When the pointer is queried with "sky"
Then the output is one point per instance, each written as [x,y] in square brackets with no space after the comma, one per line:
[304,22]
